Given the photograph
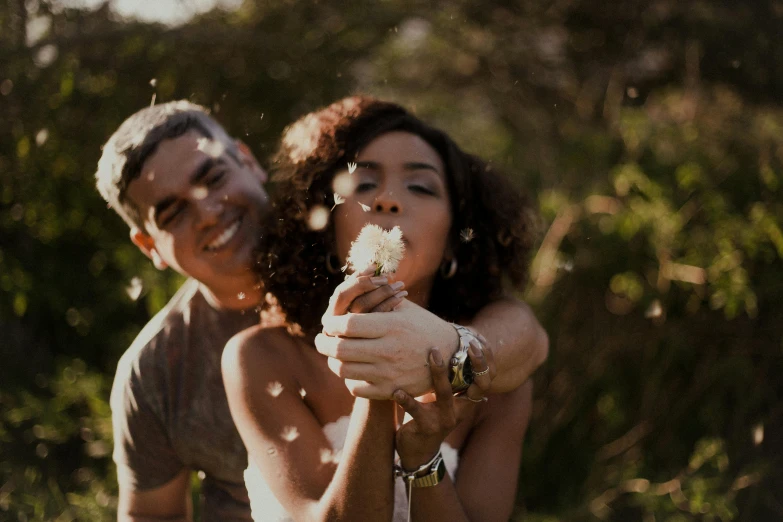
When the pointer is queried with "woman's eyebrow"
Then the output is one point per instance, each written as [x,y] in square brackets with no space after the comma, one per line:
[372,165]
[416,165]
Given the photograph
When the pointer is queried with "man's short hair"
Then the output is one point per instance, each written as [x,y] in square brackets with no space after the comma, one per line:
[138,138]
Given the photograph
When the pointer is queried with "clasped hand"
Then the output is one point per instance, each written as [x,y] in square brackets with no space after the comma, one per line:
[399,355]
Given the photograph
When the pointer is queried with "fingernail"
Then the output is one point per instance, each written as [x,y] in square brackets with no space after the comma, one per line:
[397,285]
[436,358]
[401,294]
[382,280]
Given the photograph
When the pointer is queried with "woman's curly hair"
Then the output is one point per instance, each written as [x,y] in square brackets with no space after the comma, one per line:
[291,259]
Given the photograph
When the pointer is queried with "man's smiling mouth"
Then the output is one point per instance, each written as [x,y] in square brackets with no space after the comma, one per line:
[224,236]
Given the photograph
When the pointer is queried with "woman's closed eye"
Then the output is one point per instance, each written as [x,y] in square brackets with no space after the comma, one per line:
[364,186]
[422,189]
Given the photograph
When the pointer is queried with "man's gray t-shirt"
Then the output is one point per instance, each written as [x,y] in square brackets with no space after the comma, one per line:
[169,407]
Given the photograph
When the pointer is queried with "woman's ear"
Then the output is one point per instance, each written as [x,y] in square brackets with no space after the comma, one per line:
[146,244]
[249,160]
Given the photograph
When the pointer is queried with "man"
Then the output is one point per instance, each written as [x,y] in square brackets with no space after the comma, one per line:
[195,202]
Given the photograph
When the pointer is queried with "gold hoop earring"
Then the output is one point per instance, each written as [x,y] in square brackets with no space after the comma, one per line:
[448,270]
[330,264]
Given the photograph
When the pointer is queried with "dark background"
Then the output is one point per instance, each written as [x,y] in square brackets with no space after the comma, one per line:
[650,133]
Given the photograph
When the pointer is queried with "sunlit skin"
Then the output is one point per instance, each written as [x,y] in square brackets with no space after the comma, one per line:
[401,178]
[190,203]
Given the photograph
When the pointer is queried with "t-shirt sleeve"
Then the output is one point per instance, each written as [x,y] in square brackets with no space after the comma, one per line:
[143,452]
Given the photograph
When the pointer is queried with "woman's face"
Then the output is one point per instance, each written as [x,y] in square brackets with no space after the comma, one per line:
[402,180]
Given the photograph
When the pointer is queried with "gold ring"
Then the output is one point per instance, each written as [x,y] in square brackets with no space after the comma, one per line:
[485,371]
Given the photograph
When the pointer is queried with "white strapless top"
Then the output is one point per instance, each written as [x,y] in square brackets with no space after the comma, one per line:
[265,507]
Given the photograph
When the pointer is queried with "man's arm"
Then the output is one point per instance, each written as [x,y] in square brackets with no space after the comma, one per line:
[519,343]
[378,353]
[170,502]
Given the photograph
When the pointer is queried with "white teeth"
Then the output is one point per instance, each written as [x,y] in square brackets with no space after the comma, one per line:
[224,237]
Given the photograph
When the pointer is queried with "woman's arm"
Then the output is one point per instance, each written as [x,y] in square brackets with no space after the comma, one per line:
[486,479]
[285,439]
[379,353]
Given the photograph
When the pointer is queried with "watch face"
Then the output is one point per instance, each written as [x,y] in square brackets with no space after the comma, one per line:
[467,371]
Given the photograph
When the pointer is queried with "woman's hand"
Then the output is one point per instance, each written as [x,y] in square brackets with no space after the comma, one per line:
[363,293]
[419,440]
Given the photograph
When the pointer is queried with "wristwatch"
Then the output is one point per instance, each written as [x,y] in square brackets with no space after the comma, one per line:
[428,474]
[434,474]
[460,368]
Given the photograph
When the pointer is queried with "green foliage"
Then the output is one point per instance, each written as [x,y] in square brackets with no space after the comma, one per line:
[650,133]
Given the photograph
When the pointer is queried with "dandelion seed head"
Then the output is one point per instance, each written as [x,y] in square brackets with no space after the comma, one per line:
[274,388]
[376,245]
[289,433]
[318,218]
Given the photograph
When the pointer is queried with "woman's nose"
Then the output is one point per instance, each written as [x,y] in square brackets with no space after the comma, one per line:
[386,202]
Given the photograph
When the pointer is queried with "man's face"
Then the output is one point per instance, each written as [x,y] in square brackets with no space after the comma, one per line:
[201,205]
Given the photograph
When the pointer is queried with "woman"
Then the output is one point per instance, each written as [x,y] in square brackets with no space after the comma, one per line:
[316,452]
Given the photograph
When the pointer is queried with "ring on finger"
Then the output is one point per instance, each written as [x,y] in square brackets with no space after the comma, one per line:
[471,399]
[482,372]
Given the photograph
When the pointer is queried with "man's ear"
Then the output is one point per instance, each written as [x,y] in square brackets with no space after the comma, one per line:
[147,246]
[249,160]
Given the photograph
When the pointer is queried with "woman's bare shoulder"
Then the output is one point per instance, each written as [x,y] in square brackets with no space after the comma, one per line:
[257,351]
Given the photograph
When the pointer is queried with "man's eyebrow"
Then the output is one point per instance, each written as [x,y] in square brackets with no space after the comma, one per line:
[204,169]
[161,207]
[196,178]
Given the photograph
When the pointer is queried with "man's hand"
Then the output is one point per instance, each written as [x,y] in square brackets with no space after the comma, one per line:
[379,353]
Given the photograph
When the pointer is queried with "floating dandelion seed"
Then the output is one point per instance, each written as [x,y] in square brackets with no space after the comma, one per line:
[376,245]
[274,389]
[134,288]
[467,235]
[326,455]
[212,148]
[338,200]
[302,392]
[241,295]
[290,433]
[199,192]
[351,167]
[318,218]
[654,311]
[153,82]
[329,456]
[364,207]
[41,137]
[344,184]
